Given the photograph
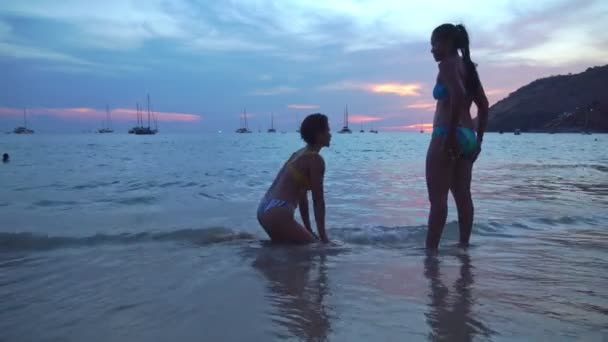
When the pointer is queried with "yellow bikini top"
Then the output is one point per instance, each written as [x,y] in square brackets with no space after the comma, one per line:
[297,174]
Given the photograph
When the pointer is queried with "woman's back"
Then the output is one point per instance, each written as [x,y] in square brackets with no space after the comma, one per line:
[293,178]
[443,110]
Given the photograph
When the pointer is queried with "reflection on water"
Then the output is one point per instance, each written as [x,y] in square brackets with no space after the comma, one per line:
[450,315]
[297,289]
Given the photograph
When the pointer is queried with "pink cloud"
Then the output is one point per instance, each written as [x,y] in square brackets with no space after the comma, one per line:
[413,127]
[85,113]
[430,106]
[394,88]
[356,118]
[303,106]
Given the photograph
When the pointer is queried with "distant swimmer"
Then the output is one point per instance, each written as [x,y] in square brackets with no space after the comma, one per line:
[304,171]
[5,158]
[454,144]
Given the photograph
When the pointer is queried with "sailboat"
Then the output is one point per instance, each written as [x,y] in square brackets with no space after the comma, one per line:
[421,128]
[154,118]
[362,130]
[372,130]
[23,129]
[146,130]
[137,127]
[107,124]
[345,129]
[271,129]
[244,128]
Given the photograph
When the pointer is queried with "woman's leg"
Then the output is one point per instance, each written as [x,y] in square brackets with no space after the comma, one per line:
[281,226]
[438,180]
[461,190]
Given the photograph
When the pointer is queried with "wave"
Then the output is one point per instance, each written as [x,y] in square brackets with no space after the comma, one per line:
[379,236]
[204,236]
[596,167]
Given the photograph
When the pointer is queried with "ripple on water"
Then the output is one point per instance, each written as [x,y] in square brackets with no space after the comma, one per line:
[51,203]
[136,200]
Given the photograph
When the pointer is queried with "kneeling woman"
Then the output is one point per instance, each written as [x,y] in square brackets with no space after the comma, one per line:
[303,172]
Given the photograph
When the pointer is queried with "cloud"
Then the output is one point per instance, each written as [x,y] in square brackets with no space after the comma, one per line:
[27,52]
[517,29]
[87,113]
[533,37]
[5,30]
[265,77]
[226,44]
[414,127]
[303,106]
[430,106]
[358,118]
[273,91]
[394,88]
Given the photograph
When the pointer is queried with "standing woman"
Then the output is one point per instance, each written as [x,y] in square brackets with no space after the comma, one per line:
[454,145]
[304,171]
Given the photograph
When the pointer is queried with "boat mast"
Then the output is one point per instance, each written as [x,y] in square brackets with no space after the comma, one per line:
[148,110]
[245,118]
[271,121]
[155,121]
[24,118]
[346,116]
[108,116]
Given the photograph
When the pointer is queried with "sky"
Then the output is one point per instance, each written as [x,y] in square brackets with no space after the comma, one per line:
[205,61]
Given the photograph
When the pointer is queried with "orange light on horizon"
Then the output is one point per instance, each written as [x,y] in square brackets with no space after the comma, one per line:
[401,89]
[413,127]
[395,88]
[84,113]
[356,118]
[493,92]
[430,106]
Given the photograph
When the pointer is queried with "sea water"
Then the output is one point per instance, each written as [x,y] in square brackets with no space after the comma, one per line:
[118,237]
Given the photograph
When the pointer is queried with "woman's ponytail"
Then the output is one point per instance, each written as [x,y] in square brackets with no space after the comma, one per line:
[462,43]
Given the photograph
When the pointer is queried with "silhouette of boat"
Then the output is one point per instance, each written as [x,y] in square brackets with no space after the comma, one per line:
[146,130]
[107,124]
[271,129]
[345,129]
[23,129]
[244,128]
[372,130]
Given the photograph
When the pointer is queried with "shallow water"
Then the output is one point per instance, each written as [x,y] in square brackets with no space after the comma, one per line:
[123,238]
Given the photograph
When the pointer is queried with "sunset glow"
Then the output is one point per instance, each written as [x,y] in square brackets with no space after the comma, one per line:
[414,127]
[64,60]
[400,89]
[80,113]
[430,106]
[362,118]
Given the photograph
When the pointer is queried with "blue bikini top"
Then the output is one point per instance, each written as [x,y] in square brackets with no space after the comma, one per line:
[440,91]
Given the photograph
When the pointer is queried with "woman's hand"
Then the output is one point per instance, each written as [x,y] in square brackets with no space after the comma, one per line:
[450,146]
[476,153]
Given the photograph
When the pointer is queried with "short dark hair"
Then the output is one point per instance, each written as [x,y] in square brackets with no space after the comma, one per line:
[313,125]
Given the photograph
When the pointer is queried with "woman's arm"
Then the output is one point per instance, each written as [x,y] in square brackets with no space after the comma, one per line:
[317,173]
[448,74]
[481,101]
[304,213]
